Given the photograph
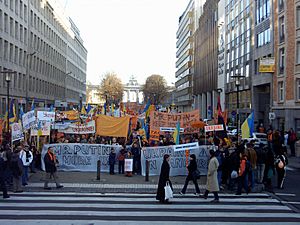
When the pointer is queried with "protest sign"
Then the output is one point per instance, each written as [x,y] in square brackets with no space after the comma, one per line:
[128,165]
[154,135]
[87,128]
[28,120]
[218,127]
[45,128]
[170,129]
[160,119]
[81,157]
[112,126]
[46,116]
[16,132]
[188,146]
[178,161]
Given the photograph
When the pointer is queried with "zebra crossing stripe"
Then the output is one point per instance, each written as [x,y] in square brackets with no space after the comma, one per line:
[113,208]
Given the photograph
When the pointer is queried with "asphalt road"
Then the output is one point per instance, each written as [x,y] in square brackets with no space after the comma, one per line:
[291,192]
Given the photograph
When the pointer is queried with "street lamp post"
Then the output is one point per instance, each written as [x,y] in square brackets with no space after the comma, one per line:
[7,80]
[237,78]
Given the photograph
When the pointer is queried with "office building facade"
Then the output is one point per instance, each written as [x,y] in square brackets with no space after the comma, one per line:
[286,79]
[41,45]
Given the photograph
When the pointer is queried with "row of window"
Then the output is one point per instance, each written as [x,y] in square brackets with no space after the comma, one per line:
[281,92]
[263,38]
[263,10]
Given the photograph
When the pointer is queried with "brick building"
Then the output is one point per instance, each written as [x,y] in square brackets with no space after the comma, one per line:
[286,79]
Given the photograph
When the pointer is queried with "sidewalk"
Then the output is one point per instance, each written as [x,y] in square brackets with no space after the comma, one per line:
[86,182]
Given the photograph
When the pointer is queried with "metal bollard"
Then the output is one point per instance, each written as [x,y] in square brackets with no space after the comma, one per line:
[147,170]
[98,169]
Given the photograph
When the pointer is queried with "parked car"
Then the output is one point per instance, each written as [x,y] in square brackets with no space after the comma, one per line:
[259,138]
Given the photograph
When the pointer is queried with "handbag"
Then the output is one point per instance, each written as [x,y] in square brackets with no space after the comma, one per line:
[196,174]
[168,191]
[234,174]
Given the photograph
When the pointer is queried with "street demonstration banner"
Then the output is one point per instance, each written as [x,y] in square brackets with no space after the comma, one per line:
[177,161]
[81,157]
[88,128]
[28,120]
[160,119]
[67,115]
[112,126]
[16,132]
[45,127]
[46,116]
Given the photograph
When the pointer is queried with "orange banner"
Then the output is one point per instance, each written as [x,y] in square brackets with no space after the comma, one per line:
[112,126]
[160,119]
[154,135]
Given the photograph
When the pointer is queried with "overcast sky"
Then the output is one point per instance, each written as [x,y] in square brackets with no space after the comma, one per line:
[128,37]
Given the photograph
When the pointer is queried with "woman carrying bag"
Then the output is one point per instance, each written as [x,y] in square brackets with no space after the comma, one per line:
[193,174]
[164,180]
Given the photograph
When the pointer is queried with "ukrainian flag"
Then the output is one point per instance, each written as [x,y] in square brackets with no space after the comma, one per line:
[83,111]
[176,133]
[248,126]
[12,112]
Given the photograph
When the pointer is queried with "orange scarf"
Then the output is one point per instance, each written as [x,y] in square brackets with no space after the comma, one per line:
[52,156]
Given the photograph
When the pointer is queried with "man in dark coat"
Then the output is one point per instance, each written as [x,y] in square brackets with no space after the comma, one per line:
[163,178]
[50,166]
[192,167]
[2,182]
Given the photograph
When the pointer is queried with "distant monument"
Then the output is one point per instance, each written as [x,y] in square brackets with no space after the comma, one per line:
[133,91]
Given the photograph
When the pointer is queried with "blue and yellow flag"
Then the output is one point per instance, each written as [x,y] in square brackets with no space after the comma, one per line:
[12,112]
[176,133]
[83,111]
[247,127]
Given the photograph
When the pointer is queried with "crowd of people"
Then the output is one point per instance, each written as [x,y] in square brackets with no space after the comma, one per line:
[237,167]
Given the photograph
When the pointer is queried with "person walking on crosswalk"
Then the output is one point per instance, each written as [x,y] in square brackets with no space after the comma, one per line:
[192,168]
[212,184]
[50,166]
[163,178]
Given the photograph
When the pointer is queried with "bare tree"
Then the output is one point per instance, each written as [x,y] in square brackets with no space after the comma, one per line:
[111,88]
[155,88]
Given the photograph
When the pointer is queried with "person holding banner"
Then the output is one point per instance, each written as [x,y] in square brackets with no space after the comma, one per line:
[192,168]
[50,166]
[163,179]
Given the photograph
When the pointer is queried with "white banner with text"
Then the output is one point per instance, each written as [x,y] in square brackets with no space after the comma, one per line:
[81,157]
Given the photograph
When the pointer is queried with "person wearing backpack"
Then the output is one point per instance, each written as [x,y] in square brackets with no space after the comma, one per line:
[192,175]
[280,165]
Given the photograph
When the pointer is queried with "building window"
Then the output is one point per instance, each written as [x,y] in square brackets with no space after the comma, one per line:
[298,53]
[280,91]
[263,38]
[298,89]
[281,29]
[281,60]
[281,5]
[298,16]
